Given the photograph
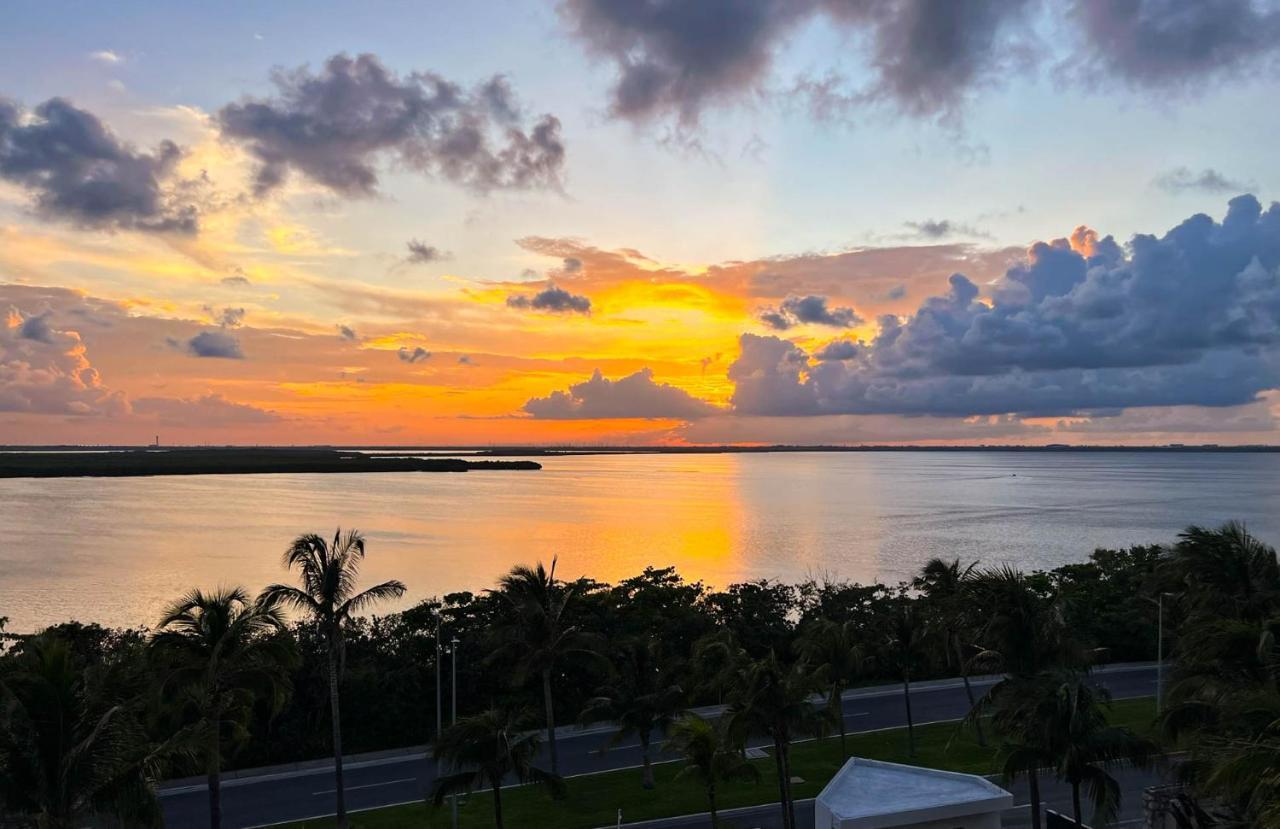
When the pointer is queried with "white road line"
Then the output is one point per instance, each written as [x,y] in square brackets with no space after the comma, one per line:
[367,786]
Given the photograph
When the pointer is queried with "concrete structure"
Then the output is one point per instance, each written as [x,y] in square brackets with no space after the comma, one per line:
[869,794]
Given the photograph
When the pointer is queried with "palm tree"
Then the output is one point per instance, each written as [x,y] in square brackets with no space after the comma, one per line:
[488,748]
[643,700]
[904,648]
[540,634]
[225,652]
[837,649]
[68,753]
[709,756]
[945,585]
[328,572]
[773,699]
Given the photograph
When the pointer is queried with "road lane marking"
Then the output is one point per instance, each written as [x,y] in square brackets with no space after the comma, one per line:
[366,786]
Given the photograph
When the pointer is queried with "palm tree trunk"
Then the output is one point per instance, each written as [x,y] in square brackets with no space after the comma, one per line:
[839,706]
[213,772]
[711,801]
[646,776]
[911,727]
[497,804]
[779,760]
[968,690]
[1075,802]
[786,773]
[551,720]
[1033,785]
[334,715]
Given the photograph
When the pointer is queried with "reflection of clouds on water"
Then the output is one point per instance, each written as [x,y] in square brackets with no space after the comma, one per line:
[117,550]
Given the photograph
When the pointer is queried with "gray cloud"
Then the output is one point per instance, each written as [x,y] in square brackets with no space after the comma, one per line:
[943,228]
[335,126]
[413,356]
[553,299]
[1192,317]
[237,281]
[420,253]
[78,171]
[633,396]
[44,370]
[808,310]
[217,344]
[227,317]
[346,332]
[1208,180]
[209,410]
[1161,43]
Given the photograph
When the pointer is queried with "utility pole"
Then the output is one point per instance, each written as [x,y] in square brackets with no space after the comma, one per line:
[1160,656]
[454,642]
[439,670]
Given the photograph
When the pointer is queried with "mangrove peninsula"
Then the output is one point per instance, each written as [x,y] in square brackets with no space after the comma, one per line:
[230,461]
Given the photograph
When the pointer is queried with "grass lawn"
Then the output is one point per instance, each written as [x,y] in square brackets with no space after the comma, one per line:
[594,800]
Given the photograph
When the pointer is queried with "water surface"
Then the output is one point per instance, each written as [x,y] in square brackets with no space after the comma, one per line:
[117,550]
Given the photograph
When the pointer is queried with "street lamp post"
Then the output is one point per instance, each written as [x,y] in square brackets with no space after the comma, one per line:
[439,669]
[1160,652]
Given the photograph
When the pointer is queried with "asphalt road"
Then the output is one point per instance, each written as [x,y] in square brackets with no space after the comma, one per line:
[269,796]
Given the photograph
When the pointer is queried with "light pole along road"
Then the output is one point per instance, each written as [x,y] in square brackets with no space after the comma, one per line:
[262,797]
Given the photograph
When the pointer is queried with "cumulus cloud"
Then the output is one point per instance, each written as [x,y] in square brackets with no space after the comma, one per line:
[412,356]
[1208,180]
[77,170]
[335,126]
[808,310]
[45,370]
[420,253]
[633,396]
[226,317]
[1189,318]
[552,299]
[106,56]
[217,344]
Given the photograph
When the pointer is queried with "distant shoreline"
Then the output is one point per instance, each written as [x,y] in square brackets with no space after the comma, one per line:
[491,451]
[137,462]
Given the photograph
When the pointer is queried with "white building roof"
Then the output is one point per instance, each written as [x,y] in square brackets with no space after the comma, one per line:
[868,794]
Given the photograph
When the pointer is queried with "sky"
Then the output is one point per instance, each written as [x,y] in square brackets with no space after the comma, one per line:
[640,222]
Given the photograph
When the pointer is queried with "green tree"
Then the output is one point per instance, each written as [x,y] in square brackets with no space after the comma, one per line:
[328,573]
[540,633]
[643,699]
[904,648]
[224,653]
[839,650]
[71,755]
[710,757]
[486,749]
[944,586]
[771,698]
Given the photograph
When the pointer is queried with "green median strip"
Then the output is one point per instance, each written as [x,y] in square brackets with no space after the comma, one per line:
[594,799]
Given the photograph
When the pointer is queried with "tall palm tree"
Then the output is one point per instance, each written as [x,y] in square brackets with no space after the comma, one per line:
[643,700]
[488,748]
[710,756]
[945,586]
[225,653]
[540,633]
[904,644]
[69,754]
[773,699]
[328,572]
[839,650]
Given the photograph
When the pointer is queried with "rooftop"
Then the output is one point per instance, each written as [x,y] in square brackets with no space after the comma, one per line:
[876,793]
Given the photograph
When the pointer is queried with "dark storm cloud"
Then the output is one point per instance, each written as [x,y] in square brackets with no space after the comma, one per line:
[676,59]
[215,344]
[1159,43]
[335,126]
[636,395]
[808,310]
[412,356]
[420,253]
[553,299]
[1192,317]
[1209,180]
[77,170]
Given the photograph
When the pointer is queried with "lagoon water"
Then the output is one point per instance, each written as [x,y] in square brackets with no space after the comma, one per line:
[116,551]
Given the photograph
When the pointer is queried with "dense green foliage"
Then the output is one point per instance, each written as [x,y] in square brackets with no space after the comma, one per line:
[641,651]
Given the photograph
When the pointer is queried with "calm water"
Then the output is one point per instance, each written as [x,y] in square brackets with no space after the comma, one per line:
[115,551]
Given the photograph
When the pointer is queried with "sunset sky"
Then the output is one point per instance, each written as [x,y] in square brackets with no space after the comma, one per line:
[607,221]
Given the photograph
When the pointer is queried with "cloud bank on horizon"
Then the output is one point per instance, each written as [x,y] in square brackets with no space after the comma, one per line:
[334,243]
